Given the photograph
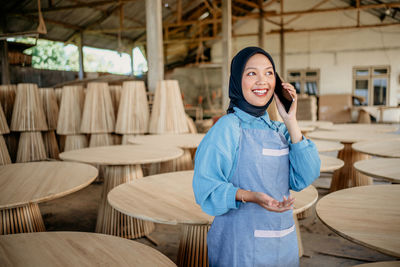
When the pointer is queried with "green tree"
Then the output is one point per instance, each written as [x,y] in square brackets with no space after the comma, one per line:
[48,55]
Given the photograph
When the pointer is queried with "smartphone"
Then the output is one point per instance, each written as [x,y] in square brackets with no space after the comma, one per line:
[285,100]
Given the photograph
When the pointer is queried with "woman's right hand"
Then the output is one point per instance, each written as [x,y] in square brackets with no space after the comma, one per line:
[272,204]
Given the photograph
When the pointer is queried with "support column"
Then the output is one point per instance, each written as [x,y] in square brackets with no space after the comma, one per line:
[81,66]
[154,46]
[5,67]
[132,65]
[261,30]
[226,50]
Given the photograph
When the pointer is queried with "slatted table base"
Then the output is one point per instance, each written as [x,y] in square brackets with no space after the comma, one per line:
[23,219]
[193,246]
[183,163]
[111,221]
[347,176]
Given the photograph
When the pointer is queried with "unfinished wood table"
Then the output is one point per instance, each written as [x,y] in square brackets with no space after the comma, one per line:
[76,249]
[121,164]
[348,176]
[368,127]
[380,264]
[387,169]
[328,146]
[24,185]
[188,142]
[379,148]
[367,215]
[317,124]
[168,198]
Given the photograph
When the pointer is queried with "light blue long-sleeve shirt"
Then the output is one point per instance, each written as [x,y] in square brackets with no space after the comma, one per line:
[216,158]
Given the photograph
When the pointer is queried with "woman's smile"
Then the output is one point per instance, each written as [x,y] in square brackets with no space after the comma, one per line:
[260,92]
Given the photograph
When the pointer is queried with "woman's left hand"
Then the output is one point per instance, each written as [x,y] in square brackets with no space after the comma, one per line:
[289,92]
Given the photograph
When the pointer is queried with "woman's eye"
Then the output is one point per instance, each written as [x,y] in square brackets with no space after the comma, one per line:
[269,73]
[252,73]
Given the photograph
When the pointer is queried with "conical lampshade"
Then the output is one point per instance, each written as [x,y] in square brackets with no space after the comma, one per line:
[69,119]
[50,106]
[28,114]
[133,113]
[58,92]
[4,155]
[168,114]
[31,147]
[3,122]
[7,98]
[98,112]
[115,93]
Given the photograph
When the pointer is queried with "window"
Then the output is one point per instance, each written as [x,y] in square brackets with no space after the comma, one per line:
[306,81]
[372,85]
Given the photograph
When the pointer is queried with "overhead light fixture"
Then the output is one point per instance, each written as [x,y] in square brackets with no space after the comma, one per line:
[388,11]
[204,15]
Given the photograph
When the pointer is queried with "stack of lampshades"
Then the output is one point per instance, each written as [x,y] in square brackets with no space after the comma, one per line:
[4,155]
[7,98]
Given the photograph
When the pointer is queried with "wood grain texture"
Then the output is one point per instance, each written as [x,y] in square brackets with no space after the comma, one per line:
[4,155]
[191,125]
[380,148]
[178,140]
[75,141]
[351,136]
[50,144]
[77,249]
[21,219]
[28,114]
[7,99]
[71,107]
[328,146]
[36,182]
[98,112]
[380,264]
[115,93]
[58,93]
[12,140]
[118,139]
[3,122]
[388,169]
[123,154]
[111,221]
[330,163]
[168,114]
[368,127]
[304,123]
[193,246]
[31,147]
[102,139]
[133,112]
[367,215]
[50,106]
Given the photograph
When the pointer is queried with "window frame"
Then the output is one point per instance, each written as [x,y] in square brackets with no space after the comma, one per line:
[303,79]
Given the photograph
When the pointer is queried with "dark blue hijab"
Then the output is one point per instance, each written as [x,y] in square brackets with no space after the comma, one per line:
[235,82]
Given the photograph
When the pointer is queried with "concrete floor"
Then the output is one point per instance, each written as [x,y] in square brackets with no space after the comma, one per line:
[78,212]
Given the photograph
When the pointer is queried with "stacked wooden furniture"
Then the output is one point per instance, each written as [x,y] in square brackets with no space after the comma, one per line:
[4,155]
[29,119]
[69,121]
[7,98]
[115,93]
[58,92]
[50,107]
[133,112]
[98,117]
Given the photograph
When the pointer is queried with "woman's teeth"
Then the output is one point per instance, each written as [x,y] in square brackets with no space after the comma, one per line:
[260,91]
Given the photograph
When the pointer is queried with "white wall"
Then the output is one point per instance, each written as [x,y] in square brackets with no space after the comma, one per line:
[335,53]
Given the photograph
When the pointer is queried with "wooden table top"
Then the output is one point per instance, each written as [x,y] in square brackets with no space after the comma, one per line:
[368,215]
[388,169]
[370,127]
[330,163]
[307,128]
[380,264]
[76,249]
[328,146]
[380,148]
[35,182]
[123,154]
[351,136]
[168,198]
[178,140]
[303,123]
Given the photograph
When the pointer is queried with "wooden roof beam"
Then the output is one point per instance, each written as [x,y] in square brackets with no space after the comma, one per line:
[247,3]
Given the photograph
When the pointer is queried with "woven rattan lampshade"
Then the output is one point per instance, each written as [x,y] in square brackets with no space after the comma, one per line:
[168,113]
[50,144]
[28,112]
[4,155]
[69,119]
[58,92]
[31,147]
[98,112]
[7,98]
[115,93]
[3,122]
[50,106]
[75,141]
[133,113]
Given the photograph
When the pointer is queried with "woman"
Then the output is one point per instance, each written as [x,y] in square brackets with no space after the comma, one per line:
[246,164]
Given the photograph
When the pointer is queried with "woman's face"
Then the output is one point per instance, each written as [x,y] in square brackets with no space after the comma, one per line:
[258,80]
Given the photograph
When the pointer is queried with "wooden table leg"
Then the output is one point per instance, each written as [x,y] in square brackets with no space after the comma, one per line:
[193,246]
[109,220]
[347,176]
[23,219]
[183,163]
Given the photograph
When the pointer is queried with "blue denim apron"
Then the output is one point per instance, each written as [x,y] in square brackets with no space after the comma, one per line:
[252,235]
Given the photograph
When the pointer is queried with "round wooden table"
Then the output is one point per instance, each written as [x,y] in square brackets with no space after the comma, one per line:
[305,129]
[367,127]
[348,176]
[329,164]
[328,146]
[317,124]
[380,264]
[122,164]
[379,148]
[388,169]
[188,142]
[76,249]
[367,215]
[168,198]
[24,185]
